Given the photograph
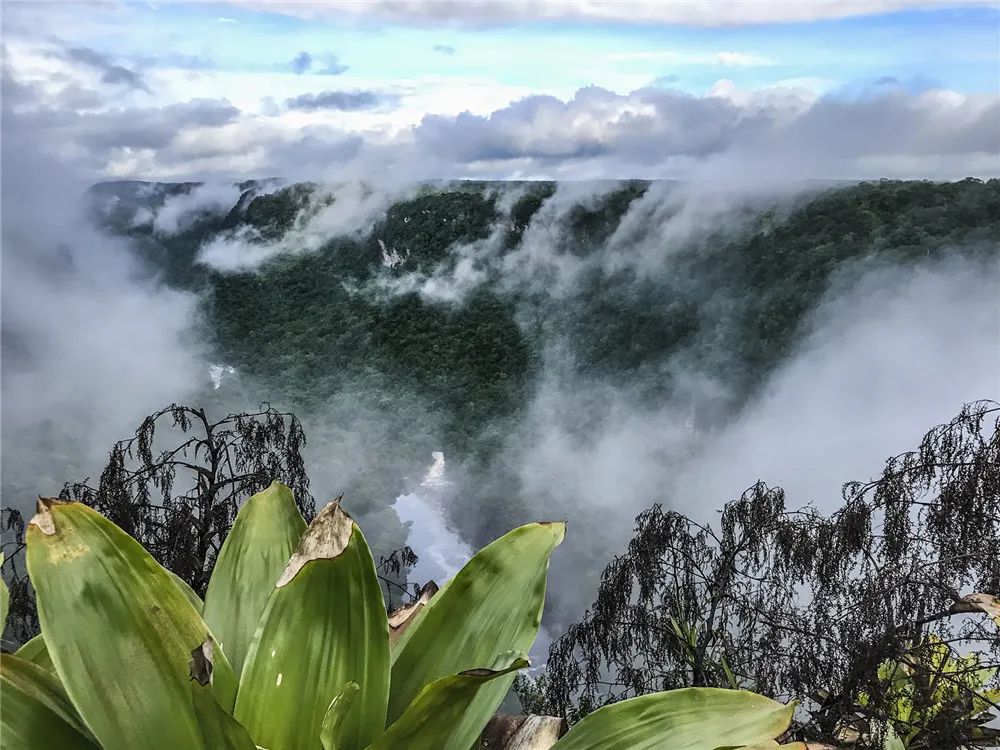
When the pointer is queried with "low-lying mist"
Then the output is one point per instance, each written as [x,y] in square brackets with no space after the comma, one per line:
[91,340]
[468,357]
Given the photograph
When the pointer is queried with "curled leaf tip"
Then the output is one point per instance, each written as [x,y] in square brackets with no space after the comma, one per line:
[43,515]
[200,666]
[403,617]
[512,665]
[559,525]
[325,539]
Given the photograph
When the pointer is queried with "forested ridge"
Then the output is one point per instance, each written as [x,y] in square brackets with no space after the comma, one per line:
[726,303]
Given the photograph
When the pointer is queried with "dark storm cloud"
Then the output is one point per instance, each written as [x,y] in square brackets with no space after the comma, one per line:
[110,72]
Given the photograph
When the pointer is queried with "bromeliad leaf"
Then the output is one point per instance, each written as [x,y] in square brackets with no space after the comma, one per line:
[4,600]
[118,630]
[434,719]
[493,604]
[220,731]
[688,719]
[324,625]
[36,712]
[189,593]
[333,721]
[36,652]
[263,537]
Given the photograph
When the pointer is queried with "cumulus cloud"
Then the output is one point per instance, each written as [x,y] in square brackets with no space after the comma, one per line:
[871,130]
[444,49]
[95,139]
[830,136]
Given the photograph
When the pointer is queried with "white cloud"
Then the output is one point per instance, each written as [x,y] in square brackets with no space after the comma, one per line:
[682,12]
[773,131]
[441,126]
[178,211]
[885,360]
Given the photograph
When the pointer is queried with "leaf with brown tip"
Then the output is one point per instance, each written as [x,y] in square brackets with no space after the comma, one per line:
[324,626]
[405,616]
[118,630]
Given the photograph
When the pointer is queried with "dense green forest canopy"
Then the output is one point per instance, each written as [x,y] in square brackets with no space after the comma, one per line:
[440,315]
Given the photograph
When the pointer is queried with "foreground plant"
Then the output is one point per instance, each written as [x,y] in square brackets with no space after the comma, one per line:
[292,648]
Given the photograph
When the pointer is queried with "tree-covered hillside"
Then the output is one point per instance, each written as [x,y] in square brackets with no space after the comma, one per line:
[439,315]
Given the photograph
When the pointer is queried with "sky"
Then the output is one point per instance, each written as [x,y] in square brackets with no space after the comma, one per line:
[575,89]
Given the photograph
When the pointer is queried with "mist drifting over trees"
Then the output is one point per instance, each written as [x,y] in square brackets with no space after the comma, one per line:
[672,275]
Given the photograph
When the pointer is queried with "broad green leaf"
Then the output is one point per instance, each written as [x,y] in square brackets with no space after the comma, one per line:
[36,652]
[494,604]
[188,592]
[220,731]
[4,600]
[255,552]
[687,719]
[324,625]
[36,712]
[118,629]
[434,718]
[333,720]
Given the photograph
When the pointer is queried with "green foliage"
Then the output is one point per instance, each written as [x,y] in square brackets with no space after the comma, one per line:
[934,692]
[589,227]
[135,665]
[423,229]
[524,210]
[731,305]
[726,304]
[273,214]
